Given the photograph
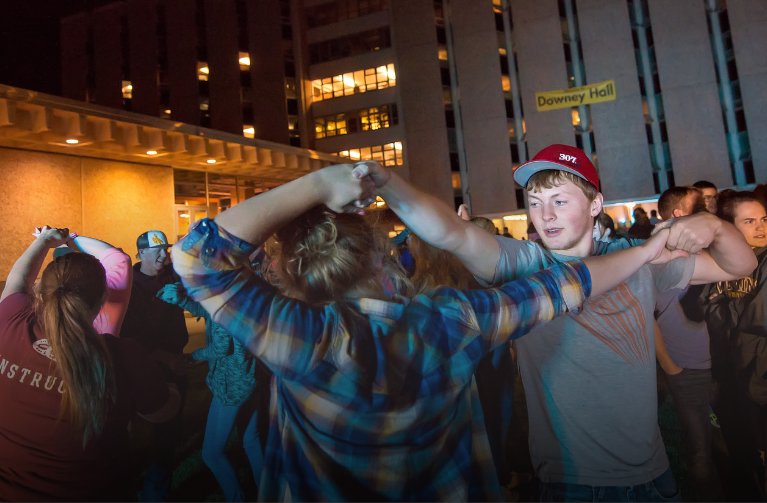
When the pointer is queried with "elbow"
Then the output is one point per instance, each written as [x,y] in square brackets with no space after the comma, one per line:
[750,265]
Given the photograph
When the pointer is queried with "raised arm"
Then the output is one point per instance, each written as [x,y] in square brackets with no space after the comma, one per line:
[728,255]
[434,221]
[117,265]
[257,218]
[515,308]
[24,272]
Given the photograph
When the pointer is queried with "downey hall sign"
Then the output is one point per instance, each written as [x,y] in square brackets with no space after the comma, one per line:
[575,97]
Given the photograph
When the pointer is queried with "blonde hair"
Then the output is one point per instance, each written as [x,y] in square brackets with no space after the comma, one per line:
[71,291]
[550,178]
[435,267]
[324,256]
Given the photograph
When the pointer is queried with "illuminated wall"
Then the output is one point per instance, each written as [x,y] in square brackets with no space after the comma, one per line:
[109,200]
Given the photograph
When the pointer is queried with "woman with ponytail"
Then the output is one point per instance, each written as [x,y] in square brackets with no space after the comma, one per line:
[68,392]
[373,397]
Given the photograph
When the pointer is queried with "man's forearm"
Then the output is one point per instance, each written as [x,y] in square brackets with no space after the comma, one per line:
[257,218]
[428,217]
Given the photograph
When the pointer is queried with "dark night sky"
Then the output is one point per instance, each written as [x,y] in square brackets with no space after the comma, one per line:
[29,41]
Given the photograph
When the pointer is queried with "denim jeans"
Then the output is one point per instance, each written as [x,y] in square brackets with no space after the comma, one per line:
[663,488]
[691,390]
[159,475]
[220,423]
[495,377]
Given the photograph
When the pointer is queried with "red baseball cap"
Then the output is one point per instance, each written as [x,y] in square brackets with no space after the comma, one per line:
[561,157]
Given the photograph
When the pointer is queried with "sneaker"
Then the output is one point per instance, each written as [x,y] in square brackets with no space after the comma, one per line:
[712,417]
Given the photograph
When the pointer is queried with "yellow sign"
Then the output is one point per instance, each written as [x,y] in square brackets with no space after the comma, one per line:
[577,96]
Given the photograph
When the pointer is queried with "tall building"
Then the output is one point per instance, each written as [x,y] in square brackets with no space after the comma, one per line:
[448,91]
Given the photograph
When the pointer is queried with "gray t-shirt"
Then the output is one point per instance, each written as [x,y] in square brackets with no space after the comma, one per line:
[590,379]
[686,340]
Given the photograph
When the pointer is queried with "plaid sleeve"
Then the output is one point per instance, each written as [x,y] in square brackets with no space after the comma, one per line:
[514,309]
[289,336]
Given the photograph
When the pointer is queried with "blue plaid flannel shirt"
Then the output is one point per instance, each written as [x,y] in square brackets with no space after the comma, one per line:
[372,400]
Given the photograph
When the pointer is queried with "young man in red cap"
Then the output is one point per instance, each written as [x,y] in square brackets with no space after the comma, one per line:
[590,379]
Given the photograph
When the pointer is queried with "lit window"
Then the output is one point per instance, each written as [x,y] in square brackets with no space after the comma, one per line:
[354,83]
[244,59]
[505,82]
[127,90]
[367,119]
[202,71]
[388,155]
[576,117]
[442,53]
[248,131]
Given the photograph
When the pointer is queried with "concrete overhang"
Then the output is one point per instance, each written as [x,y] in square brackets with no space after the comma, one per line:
[40,122]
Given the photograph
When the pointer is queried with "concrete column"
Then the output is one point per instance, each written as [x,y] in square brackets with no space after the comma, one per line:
[420,89]
[748,20]
[625,169]
[224,78]
[267,69]
[142,22]
[108,55]
[690,92]
[182,61]
[74,58]
[485,128]
[541,66]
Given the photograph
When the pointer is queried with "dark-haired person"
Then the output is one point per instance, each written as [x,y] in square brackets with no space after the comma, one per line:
[709,191]
[590,381]
[642,228]
[232,380]
[604,228]
[373,396]
[161,329]
[68,392]
[682,349]
[738,326]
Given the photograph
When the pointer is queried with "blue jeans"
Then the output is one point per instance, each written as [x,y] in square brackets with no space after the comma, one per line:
[663,488]
[165,436]
[495,377]
[691,389]
[220,423]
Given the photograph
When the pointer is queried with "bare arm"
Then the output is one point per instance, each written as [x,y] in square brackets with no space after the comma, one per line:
[24,272]
[259,217]
[435,222]
[88,245]
[167,411]
[610,270]
[728,256]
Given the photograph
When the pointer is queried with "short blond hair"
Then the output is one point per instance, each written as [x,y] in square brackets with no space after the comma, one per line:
[550,178]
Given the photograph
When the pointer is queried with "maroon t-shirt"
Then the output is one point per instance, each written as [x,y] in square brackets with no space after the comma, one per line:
[40,456]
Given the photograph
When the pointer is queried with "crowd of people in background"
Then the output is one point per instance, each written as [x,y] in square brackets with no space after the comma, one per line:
[392,363]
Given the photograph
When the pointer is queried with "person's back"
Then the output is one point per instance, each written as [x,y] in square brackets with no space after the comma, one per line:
[69,392]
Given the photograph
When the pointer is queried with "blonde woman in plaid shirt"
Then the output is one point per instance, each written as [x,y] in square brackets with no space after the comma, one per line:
[373,396]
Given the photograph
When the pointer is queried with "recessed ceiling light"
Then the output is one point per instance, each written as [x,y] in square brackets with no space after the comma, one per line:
[72,141]
[151,152]
[211,161]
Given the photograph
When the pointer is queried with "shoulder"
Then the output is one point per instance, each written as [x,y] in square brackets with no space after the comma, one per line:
[621,242]
[16,305]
